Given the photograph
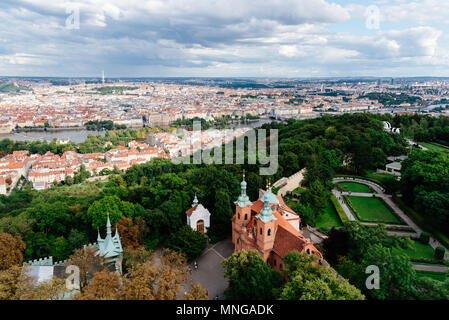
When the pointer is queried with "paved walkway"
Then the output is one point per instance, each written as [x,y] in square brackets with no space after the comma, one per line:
[425,267]
[387,198]
[292,182]
[343,205]
[375,186]
[210,273]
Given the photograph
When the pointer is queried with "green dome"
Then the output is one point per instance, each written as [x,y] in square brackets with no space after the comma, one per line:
[270,197]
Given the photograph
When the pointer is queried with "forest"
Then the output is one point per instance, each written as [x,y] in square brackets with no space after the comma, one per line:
[148,201]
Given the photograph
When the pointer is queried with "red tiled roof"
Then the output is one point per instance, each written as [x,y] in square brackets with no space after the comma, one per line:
[286,241]
[189,212]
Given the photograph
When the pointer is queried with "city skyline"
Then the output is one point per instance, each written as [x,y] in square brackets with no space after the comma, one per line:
[292,39]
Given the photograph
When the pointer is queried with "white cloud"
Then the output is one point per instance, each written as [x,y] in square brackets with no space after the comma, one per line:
[253,37]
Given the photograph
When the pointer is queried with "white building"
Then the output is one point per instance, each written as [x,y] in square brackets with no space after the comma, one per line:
[198,217]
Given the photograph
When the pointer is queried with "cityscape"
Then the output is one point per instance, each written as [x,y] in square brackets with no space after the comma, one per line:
[278,151]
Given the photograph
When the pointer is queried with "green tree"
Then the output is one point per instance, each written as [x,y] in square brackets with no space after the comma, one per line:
[250,278]
[316,197]
[191,243]
[98,211]
[309,282]
[397,276]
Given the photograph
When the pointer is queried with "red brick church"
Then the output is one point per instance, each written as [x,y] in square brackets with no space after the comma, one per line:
[269,226]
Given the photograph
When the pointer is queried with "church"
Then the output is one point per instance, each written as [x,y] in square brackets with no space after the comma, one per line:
[269,226]
[198,217]
[110,248]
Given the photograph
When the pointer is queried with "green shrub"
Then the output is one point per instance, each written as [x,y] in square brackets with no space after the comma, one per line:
[424,237]
[191,243]
[341,214]
[439,253]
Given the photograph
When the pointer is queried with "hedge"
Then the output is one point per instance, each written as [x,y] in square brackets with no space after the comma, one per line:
[348,201]
[341,214]
[424,237]
[439,253]
[422,222]
[360,177]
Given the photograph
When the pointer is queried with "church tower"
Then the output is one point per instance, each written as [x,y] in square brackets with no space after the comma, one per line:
[265,230]
[111,247]
[243,213]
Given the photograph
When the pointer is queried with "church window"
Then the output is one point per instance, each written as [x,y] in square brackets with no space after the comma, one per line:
[239,215]
[274,261]
[246,216]
[269,232]
[260,231]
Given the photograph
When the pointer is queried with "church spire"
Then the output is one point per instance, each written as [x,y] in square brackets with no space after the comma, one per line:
[108,226]
[243,199]
[266,214]
[195,201]
[243,185]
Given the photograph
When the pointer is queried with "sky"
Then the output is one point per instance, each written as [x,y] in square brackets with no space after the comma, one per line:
[224,38]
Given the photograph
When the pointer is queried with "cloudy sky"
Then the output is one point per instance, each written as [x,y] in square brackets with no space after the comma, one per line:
[258,38]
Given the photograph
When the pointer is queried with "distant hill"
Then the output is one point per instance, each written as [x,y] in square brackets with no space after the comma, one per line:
[11,87]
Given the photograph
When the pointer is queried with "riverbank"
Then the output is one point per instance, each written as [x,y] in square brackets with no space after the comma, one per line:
[50,129]
[76,136]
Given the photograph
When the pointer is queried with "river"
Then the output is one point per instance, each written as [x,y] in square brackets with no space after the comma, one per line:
[76,136]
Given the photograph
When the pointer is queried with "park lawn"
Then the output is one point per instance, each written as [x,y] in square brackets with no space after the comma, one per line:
[439,276]
[354,187]
[432,146]
[372,209]
[419,251]
[329,218]
[373,175]
[299,190]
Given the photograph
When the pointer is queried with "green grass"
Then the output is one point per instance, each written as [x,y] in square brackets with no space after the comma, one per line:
[419,251]
[377,176]
[432,146]
[299,190]
[421,221]
[339,210]
[329,218]
[439,276]
[354,187]
[372,209]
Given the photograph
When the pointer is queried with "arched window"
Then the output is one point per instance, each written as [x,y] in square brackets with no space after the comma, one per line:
[280,265]
[246,216]
[238,241]
[269,232]
[260,231]
[308,251]
[239,215]
[274,261]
